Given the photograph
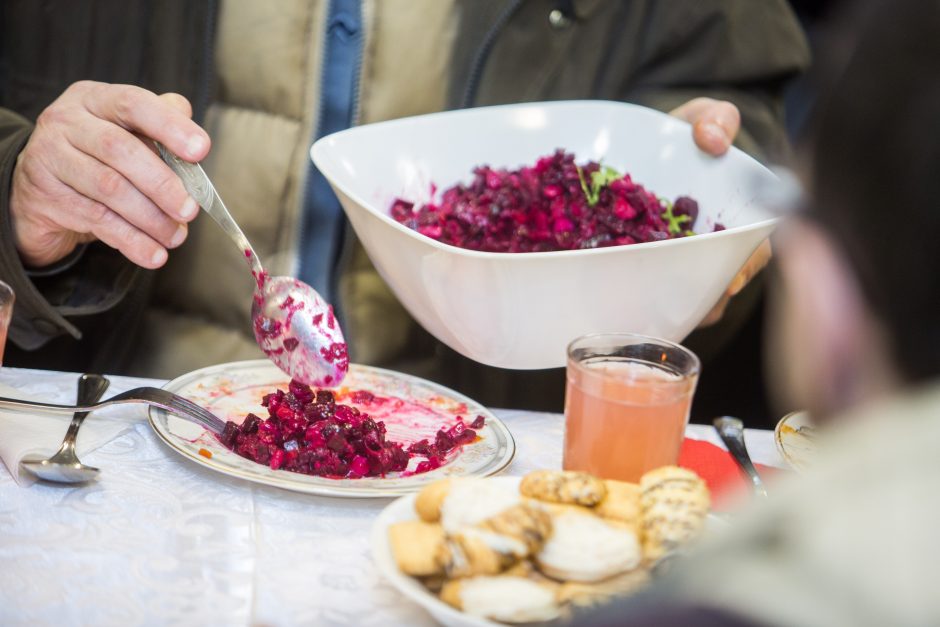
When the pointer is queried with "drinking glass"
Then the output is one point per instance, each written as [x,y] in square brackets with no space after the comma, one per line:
[627,403]
[6,312]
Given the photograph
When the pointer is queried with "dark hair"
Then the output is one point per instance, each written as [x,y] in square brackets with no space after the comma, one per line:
[876,172]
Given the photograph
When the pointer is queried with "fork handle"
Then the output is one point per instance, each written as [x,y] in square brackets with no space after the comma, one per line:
[20,404]
[151,396]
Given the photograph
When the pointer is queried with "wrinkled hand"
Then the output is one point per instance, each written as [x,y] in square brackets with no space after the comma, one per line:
[715,124]
[86,172]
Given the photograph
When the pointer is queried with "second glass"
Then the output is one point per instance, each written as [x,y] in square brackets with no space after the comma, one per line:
[6,313]
[627,404]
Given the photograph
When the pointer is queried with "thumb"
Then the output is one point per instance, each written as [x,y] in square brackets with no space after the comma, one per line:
[715,123]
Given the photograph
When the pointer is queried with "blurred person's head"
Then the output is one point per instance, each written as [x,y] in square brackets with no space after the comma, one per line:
[856,312]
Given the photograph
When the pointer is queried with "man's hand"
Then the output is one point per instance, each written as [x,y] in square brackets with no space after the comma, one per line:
[715,124]
[89,171]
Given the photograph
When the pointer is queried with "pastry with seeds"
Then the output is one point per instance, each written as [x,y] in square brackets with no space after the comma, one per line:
[674,502]
[563,486]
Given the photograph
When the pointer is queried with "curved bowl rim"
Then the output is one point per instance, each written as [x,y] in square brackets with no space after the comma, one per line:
[322,145]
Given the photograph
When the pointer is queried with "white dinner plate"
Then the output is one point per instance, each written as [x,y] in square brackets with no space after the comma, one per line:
[233,390]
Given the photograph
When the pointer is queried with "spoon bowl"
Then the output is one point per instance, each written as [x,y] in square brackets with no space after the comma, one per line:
[58,471]
[292,323]
[297,330]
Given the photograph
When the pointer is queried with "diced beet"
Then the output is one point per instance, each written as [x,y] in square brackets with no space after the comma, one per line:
[421,447]
[307,431]
[301,391]
[553,205]
[250,424]
[229,433]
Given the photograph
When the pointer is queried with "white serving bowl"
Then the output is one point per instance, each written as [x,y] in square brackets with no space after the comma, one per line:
[519,311]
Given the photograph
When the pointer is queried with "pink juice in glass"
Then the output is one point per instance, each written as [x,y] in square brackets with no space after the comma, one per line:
[624,416]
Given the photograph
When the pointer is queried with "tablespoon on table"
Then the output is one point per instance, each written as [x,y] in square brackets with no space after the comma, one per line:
[292,323]
[731,432]
[64,466]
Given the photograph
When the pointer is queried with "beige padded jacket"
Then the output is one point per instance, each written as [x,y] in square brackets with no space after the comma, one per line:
[261,122]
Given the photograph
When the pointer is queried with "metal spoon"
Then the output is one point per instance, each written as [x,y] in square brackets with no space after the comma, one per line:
[731,431]
[64,466]
[292,323]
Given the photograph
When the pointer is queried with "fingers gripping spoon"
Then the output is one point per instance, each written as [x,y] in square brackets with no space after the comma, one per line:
[292,323]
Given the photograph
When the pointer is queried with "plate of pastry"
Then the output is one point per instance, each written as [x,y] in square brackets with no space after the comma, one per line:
[487,551]
[382,433]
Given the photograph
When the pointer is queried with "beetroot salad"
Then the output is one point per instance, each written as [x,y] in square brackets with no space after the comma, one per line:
[309,431]
[553,205]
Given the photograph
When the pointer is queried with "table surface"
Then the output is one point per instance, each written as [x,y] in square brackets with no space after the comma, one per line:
[158,539]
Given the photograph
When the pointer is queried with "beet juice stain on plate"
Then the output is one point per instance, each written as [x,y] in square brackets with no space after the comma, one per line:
[293,325]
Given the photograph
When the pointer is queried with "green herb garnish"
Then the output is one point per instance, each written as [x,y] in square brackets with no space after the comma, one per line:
[674,222]
[600,179]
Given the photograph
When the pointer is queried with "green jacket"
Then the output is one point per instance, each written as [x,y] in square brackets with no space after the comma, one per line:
[257,100]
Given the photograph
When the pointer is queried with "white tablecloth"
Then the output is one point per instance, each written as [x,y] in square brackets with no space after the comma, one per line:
[159,540]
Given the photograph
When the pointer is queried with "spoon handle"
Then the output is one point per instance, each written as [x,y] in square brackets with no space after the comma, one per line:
[91,387]
[203,191]
[731,431]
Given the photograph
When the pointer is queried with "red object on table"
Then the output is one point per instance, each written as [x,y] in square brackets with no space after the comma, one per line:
[728,485]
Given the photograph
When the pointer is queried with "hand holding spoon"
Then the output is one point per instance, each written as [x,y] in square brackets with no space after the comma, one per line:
[292,323]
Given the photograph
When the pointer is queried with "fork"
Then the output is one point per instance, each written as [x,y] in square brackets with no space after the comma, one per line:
[172,403]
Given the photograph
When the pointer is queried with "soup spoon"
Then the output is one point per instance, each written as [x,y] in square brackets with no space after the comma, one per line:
[292,323]
[731,432]
[64,466]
